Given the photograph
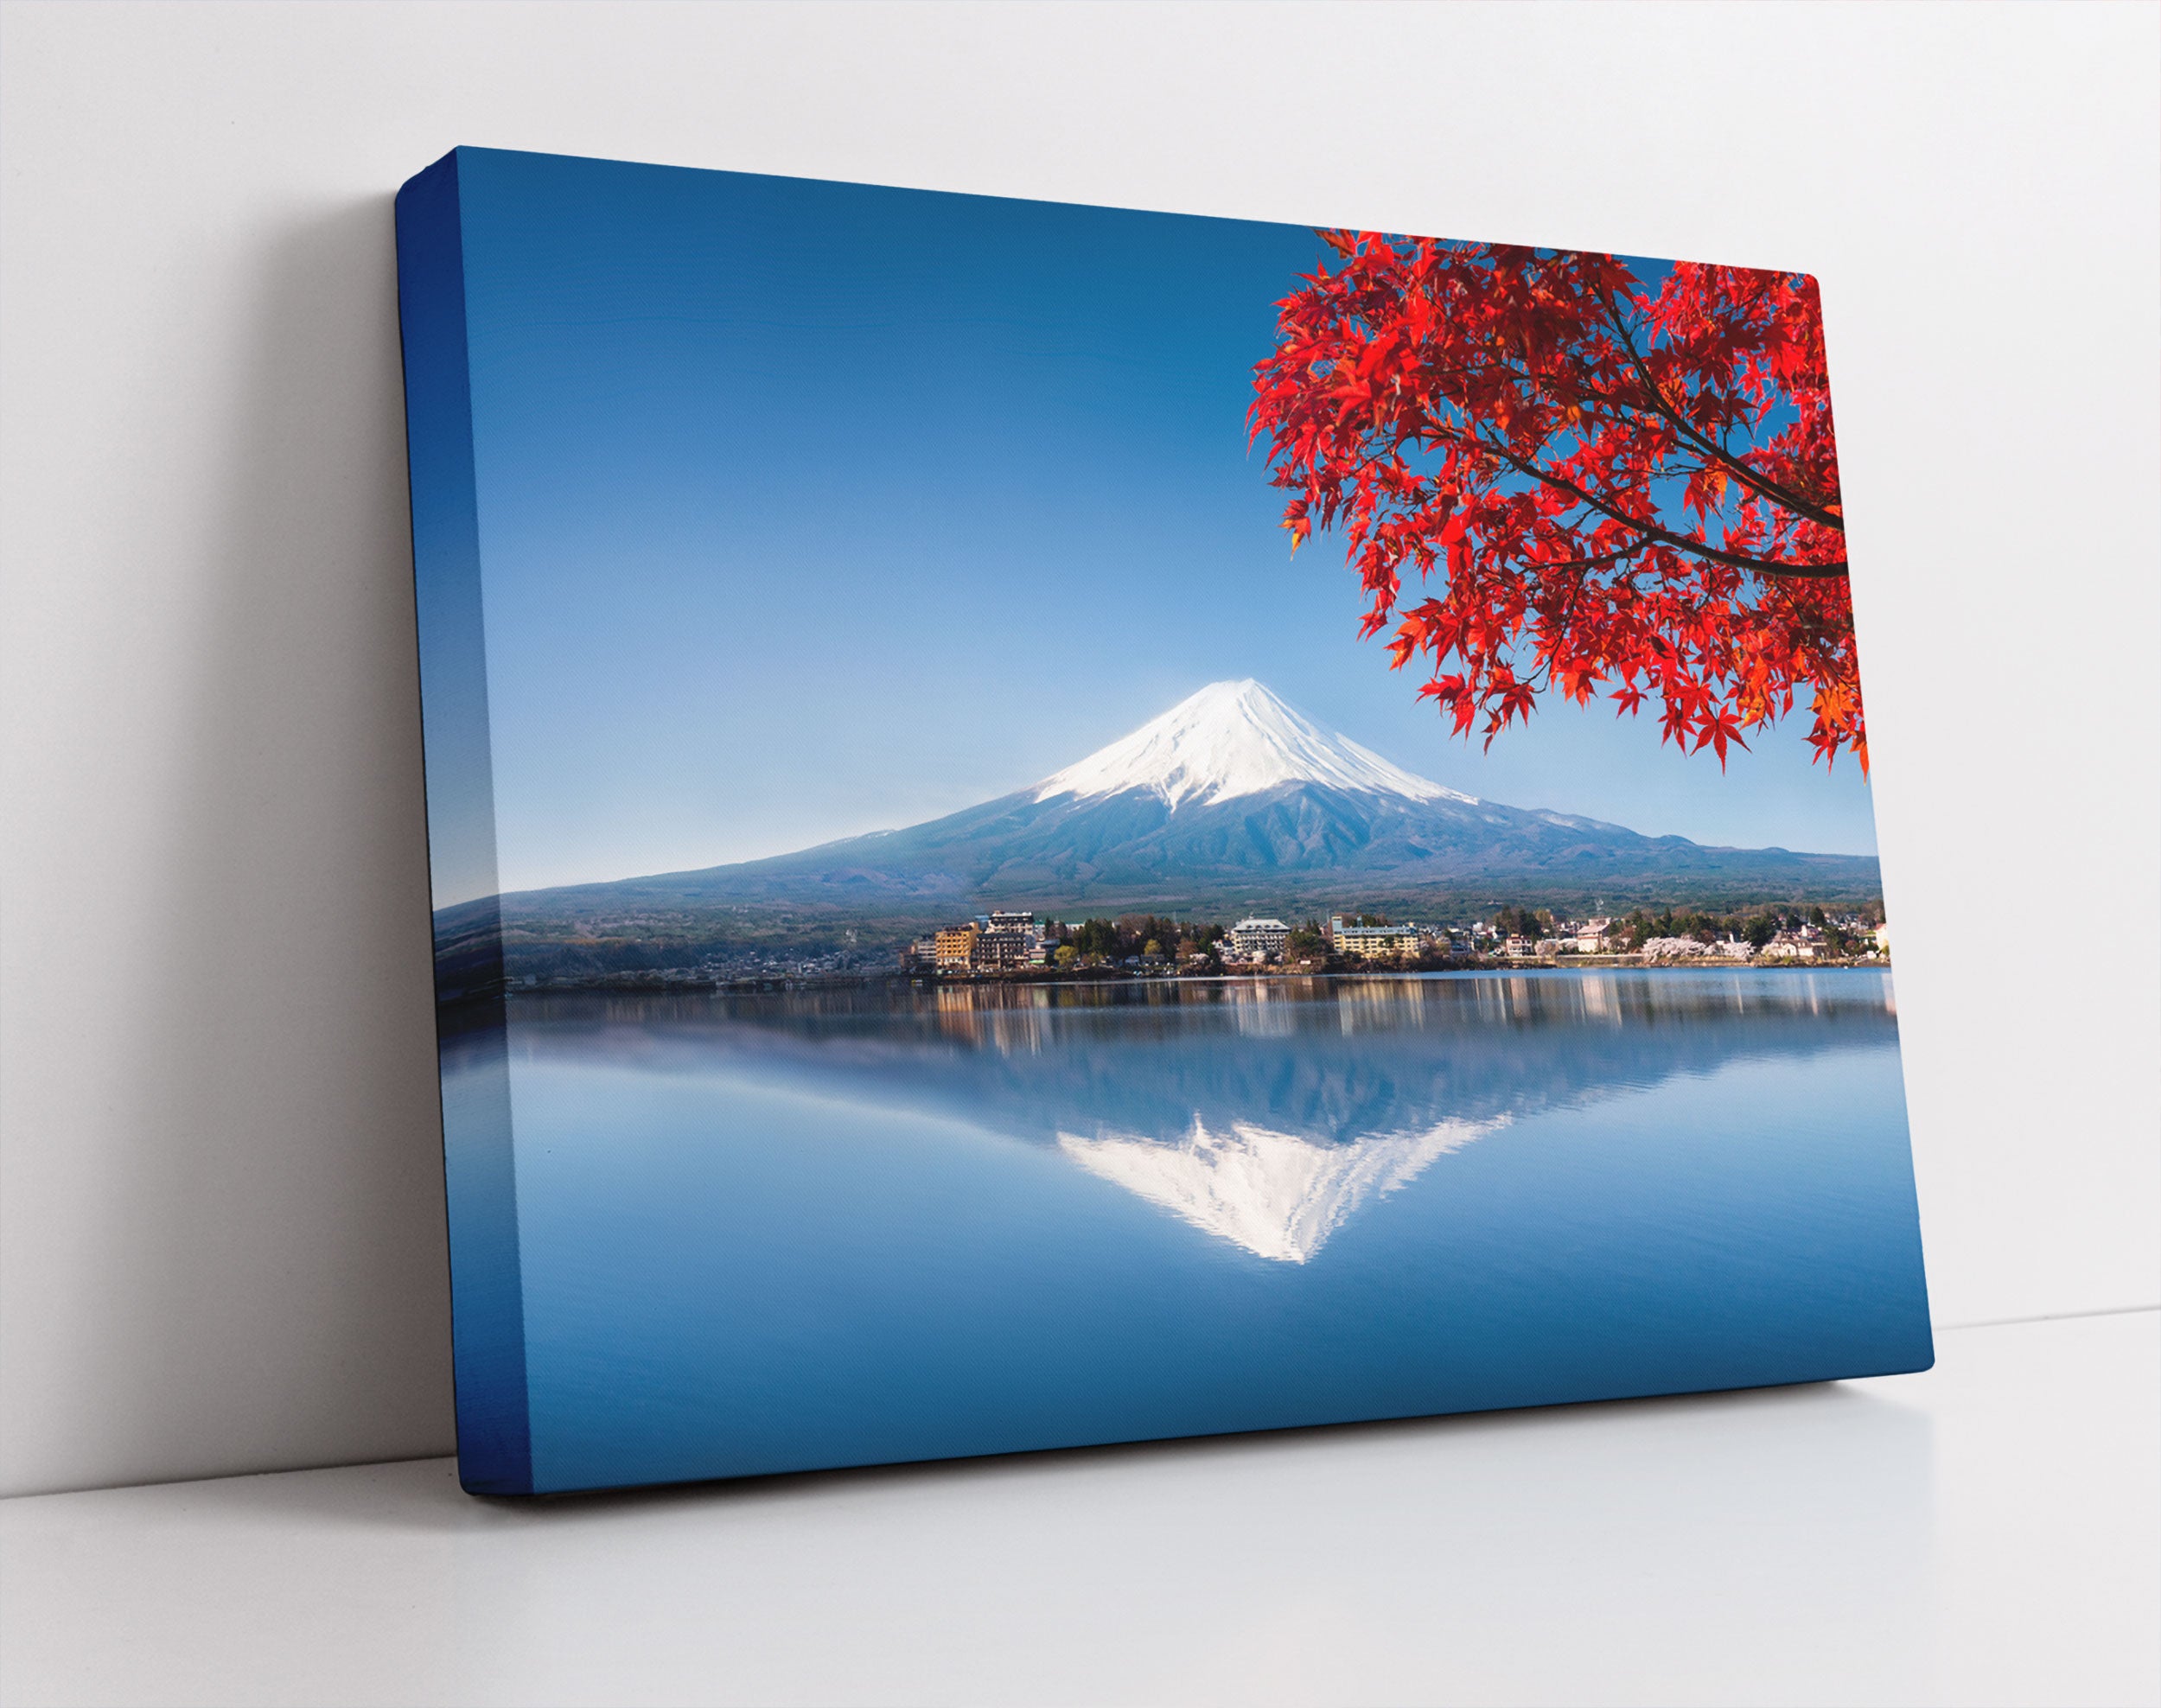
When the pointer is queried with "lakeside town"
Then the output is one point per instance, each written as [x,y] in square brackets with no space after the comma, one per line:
[1012,946]
[1005,943]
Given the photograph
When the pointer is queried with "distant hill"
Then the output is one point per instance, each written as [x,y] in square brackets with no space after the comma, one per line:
[1230,800]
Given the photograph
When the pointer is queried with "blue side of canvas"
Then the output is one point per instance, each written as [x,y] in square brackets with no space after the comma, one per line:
[494,1441]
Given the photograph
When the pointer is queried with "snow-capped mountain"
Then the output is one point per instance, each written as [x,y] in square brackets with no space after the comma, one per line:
[1231,800]
[1234,739]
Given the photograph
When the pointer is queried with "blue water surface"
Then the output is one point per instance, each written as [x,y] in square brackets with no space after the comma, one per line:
[773,1232]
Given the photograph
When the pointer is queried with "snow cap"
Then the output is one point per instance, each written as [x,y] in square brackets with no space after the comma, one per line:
[1233,739]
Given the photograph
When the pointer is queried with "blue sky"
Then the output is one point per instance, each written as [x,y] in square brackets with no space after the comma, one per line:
[807,509]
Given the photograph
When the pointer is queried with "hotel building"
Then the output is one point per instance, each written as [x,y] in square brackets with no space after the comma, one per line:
[1373,942]
[1253,940]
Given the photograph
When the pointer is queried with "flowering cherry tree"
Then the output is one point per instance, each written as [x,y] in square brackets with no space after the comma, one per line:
[1554,474]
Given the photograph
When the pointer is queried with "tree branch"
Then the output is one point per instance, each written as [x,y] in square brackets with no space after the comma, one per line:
[1779,494]
[1761,566]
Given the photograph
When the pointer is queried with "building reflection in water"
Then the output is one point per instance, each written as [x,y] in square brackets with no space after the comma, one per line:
[1264,1111]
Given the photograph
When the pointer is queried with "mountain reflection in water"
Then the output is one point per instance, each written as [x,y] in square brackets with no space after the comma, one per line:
[1277,1194]
[1265,1112]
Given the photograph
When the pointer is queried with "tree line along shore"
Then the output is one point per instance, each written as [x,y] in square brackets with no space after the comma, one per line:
[1029,948]
[1018,943]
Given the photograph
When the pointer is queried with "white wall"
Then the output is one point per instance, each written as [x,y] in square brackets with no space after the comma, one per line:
[222,1247]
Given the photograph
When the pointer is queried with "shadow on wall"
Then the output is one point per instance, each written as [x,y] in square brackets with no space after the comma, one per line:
[277,1292]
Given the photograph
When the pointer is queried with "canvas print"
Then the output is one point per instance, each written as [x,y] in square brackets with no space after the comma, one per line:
[1055,825]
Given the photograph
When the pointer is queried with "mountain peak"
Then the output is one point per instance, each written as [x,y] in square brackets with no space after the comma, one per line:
[1232,739]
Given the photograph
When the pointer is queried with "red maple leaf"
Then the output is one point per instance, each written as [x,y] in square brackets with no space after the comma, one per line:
[1618,483]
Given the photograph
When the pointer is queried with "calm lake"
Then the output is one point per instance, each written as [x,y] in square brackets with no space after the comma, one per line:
[764,1234]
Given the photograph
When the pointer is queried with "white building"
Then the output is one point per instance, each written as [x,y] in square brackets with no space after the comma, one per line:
[1256,940]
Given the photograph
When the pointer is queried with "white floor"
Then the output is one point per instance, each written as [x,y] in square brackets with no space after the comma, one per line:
[1989,1533]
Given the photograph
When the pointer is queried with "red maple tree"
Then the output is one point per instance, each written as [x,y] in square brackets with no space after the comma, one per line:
[1622,484]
